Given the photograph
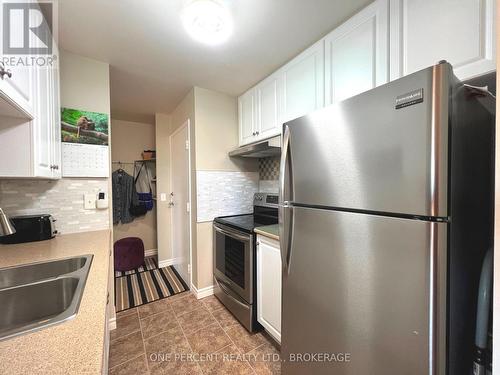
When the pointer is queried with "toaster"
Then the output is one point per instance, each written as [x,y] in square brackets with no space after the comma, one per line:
[30,228]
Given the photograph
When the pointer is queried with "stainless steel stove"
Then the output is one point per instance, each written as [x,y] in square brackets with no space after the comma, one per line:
[235,258]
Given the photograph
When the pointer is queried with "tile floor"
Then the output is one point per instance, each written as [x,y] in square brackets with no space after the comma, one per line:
[183,335]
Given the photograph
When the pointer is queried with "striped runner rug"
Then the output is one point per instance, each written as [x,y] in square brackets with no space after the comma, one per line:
[148,286]
[149,264]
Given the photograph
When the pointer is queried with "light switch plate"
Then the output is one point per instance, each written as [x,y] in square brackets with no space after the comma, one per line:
[89,201]
[163,197]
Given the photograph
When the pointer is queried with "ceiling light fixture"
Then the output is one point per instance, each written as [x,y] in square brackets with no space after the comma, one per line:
[207,21]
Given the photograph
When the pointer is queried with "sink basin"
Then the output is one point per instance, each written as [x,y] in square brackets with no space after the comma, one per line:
[31,304]
[25,274]
[39,295]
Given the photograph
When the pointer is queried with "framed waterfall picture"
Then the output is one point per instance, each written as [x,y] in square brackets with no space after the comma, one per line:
[85,143]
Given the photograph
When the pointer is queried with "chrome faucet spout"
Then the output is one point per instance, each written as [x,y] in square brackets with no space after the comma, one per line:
[6,226]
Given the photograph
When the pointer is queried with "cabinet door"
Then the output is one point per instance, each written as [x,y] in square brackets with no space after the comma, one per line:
[268,117]
[19,88]
[56,118]
[269,286]
[460,31]
[246,113]
[42,125]
[303,83]
[357,53]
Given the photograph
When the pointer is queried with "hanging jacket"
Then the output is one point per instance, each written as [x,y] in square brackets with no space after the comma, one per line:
[124,195]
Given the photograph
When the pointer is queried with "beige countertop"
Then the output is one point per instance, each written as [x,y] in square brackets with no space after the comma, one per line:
[75,346]
[270,231]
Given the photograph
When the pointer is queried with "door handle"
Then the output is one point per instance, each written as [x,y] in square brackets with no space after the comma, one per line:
[231,234]
[226,291]
[285,211]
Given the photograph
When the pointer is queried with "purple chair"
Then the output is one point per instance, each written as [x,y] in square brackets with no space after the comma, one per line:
[129,253]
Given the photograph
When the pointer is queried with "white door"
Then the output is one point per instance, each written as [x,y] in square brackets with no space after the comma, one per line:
[268,118]
[424,32]
[246,112]
[179,175]
[357,53]
[303,83]
[269,286]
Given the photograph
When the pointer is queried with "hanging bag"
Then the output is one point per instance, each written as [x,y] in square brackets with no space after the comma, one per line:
[145,198]
[137,208]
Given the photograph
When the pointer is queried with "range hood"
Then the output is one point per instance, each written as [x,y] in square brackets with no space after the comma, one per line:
[264,149]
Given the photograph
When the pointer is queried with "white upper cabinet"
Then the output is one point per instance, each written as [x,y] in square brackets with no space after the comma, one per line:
[56,118]
[30,134]
[385,41]
[259,113]
[357,53]
[46,124]
[268,114]
[16,83]
[424,32]
[246,117]
[303,83]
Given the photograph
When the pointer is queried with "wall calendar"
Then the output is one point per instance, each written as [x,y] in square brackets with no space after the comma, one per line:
[85,143]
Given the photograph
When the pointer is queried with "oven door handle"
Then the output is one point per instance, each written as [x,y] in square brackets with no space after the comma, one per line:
[232,234]
[227,292]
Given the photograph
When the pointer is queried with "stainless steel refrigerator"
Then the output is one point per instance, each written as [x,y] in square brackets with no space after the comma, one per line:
[385,215]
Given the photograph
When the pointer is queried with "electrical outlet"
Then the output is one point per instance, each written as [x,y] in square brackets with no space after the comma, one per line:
[89,201]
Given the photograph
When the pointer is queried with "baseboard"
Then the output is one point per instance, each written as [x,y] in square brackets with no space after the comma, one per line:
[203,292]
[150,252]
[169,262]
[112,323]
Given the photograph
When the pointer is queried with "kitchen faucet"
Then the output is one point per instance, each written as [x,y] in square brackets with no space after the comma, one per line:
[6,227]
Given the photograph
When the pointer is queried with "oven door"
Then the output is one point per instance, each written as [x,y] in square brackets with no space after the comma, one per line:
[233,260]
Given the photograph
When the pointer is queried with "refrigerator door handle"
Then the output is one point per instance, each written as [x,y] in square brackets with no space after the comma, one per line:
[284,193]
[285,211]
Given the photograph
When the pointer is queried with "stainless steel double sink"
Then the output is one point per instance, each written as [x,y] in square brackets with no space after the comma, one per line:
[37,295]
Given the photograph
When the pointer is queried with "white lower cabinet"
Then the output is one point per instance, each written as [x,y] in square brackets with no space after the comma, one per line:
[269,285]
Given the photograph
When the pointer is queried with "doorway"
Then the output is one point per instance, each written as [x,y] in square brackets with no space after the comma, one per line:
[180,181]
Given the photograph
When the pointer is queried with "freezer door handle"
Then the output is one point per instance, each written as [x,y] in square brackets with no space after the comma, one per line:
[285,210]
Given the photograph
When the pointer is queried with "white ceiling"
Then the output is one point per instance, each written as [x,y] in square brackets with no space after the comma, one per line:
[154,63]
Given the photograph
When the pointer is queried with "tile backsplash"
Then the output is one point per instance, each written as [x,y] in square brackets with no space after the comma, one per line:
[269,173]
[269,186]
[222,193]
[62,198]
[269,168]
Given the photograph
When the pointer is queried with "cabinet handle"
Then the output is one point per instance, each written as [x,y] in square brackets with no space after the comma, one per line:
[253,133]
[4,72]
[256,133]
[52,167]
